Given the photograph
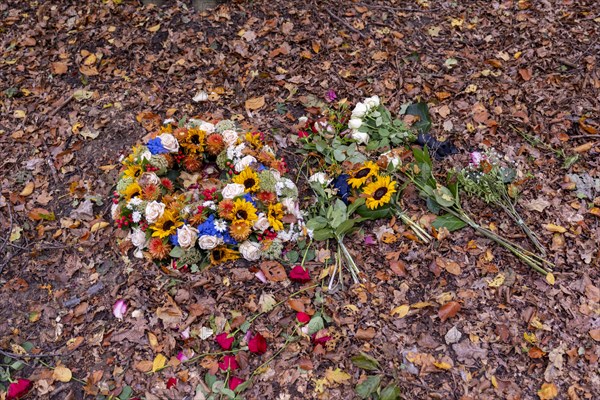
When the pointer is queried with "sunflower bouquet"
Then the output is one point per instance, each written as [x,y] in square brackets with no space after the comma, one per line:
[488,179]
[199,194]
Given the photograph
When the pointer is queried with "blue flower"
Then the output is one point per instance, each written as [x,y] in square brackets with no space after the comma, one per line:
[260,168]
[208,227]
[155,146]
[341,184]
[249,199]
[228,239]
[173,240]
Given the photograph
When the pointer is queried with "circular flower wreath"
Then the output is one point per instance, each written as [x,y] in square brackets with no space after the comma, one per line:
[199,194]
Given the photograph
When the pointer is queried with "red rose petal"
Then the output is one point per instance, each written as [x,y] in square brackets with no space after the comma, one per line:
[228,362]
[19,389]
[235,382]
[171,382]
[224,340]
[303,318]
[299,274]
[257,344]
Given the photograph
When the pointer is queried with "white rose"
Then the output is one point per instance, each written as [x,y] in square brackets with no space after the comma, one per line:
[154,210]
[359,110]
[262,223]
[250,250]
[233,190]
[320,177]
[207,127]
[145,155]
[208,242]
[169,142]
[303,120]
[292,207]
[149,178]
[355,123]
[230,137]
[372,102]
[186,236]
[360,137]
[138,237]
[243,163]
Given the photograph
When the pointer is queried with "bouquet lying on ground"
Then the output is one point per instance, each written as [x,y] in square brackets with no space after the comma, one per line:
[199,194]
[485,177]
[350,184]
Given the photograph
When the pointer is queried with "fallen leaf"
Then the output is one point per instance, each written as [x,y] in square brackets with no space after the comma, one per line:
[595,334]
[448,310]
[336,376]
[401,311]
[28,189]
[365,334]
[550,278]
[159,362]
[584,147]
[255,103]
[58,68]
[525,73]
[548,391]
[143,366]
[274,271]
[497,281]
[62,374]
[154,28]
[555,228]
[170,313]
[450,266]
[536,352]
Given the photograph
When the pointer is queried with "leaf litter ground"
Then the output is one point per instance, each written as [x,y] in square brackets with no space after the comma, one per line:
[460,319]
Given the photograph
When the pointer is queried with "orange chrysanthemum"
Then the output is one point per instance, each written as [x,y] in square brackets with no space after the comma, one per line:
[158,249]
[150,192]
[239,231]
[215,144]
[192,164]
[180,133]
[196,219]
[266,197]
[226,209]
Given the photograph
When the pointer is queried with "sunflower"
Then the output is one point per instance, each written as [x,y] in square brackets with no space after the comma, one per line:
[194,141]
[379,192]
[359,176]
[274,215]
[244,211]
[166,225]
[254,138]
[221,254]
[239,230]
[131,191]
[249,179]
[133,171]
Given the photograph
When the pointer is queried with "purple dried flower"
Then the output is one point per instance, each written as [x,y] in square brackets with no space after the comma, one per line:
[330,95]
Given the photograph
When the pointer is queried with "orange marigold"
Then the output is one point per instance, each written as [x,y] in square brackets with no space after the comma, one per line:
[192,164]
[239,231]
[266,197]
[150,192]
[215,144]
[158,249]
[226,209]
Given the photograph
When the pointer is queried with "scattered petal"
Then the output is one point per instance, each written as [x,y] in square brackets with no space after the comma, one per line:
[120,309]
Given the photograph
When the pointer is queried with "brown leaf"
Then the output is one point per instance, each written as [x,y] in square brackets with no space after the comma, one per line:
[398,267]
[584,147]
[143,366]
[595,334]
[297,305]
[59,68]
[449,265]
[305,364]
[170,313]
[525,73]
[448,310]
[255,103]
[548,391]
[536,352]
[273,270]
[365,334]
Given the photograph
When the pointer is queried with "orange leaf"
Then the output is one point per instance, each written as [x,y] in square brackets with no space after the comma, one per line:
[548,391]
[536,352]
[448,310]
[273,271]
[588,128]
[58,68]
[296,305]
[525,73]
[255,103]
[595,334]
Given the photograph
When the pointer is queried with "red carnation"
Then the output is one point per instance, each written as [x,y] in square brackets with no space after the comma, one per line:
[171,382]
[228,362]
[19,389]
[303,318]
[257,344]
[224,340]
[299,274]
[235,382]
[167,183]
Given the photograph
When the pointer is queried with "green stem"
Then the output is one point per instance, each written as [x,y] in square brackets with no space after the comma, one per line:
[285,345]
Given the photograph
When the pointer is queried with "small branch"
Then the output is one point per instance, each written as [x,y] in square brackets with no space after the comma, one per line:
[346,24]
[22,356]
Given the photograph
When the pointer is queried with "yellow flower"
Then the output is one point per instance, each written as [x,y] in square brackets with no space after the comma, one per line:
[359,176]
[239,230]
[244,211]
[249,179]
[379,192]
[166,225]
[131,191]
[221,254]
[254,139]
[274,215]
[133,171]
[194,141]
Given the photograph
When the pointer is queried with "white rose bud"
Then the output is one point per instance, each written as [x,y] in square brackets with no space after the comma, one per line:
[359,110]
[303,120]
[372,102]
[262,223]
[292,207]
[149,178]
[208,242]
[232,190]
[243,163]
[355,123]
[320,177]
[250,250]
[207,127]
[145,155]
[200,96]
[169,142]
[186,236]
[138,238]
[360,137]
[154,210]
[230,137]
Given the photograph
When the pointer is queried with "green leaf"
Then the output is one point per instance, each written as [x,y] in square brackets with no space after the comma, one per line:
[365,361]
[449,222]
[391,392]
[17,365]
[176,252]
[422,111]
[315,324]
[355,204]
[243,386]
[292,256]
[369,386]
[28,346]
[339,155]
[344,227]
[210,379]
[317,223]
[444,196]
[126,393]
[382,212]
[322,234]
[228,392]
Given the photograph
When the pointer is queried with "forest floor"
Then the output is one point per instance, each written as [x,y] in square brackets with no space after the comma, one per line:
[74,76]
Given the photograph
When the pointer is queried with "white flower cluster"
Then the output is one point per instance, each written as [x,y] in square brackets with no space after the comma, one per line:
[362,110]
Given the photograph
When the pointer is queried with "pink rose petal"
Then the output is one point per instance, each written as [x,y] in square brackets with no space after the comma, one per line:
[120,309]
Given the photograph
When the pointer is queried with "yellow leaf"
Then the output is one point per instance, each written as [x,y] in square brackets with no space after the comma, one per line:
[351,307]
[442,365]
[19,114]
[99,225]
[555,228]
[90,60]
[497,281]
[530,337]
[62,374]
[159,363]
[336,376]
[494,381]
[76,127]
[255,103]
[421,304]
[456,22]
[550,278]
[548,391]
[154,28]
[152,340]
[402,311]
[28,189]
[471,88]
